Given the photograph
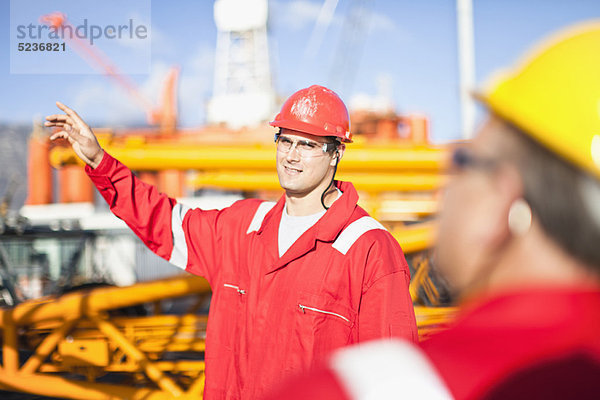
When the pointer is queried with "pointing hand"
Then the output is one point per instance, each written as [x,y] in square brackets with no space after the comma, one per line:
[78,133]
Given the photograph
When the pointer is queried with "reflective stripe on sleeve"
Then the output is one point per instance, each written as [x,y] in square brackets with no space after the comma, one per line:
[354,231]
[179,255]
[259,215]
[388,369]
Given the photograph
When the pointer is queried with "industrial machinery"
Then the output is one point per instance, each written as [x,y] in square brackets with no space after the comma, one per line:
[78,347]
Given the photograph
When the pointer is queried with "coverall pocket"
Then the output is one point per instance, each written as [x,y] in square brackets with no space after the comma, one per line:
[323,324]
[229,302]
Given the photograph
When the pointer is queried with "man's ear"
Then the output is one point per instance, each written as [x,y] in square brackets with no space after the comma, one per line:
[338,154]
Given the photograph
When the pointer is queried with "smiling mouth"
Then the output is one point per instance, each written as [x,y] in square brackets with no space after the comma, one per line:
[291,170]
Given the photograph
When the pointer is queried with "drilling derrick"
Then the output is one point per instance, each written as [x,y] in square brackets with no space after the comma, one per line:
[243,92]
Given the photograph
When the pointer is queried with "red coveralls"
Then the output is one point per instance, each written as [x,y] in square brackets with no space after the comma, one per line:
[490,340]
[343,281]
[501,334]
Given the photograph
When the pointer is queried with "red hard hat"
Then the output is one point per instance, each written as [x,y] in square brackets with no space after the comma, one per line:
[315,110]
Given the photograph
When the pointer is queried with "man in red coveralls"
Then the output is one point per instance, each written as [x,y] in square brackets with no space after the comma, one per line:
[291,280]
[519,243]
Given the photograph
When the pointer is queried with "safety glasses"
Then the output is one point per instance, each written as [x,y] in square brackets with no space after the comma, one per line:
[304,147]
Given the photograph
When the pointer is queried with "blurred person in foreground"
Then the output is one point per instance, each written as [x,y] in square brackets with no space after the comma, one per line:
[291,280]
[518,243]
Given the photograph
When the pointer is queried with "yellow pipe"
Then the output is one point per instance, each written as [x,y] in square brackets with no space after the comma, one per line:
[388,208]
[415,238]
[77,304]
[170,366]
[153,157]
[163,320]
[10,350]
[159,348]
[56,386]
[369,182]
[180,366]
[427,316]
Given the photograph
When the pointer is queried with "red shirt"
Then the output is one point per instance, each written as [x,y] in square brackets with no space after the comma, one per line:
[345,280]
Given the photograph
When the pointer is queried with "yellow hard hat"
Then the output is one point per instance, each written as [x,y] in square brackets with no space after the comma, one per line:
[553,95]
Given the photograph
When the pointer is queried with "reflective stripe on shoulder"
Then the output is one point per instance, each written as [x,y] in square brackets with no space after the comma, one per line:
[388,369]
[259,215]
[353,232]
[179,255]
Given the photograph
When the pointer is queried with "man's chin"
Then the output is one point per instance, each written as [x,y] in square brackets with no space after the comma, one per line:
[292,190]
[288,184]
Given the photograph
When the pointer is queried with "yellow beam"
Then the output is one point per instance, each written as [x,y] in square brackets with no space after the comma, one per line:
[169,366]
[10,350]
[153,157]
[431,317]
[180,366]
[77,304]
[416,237]
[198,345]
[56,386]
[368,182]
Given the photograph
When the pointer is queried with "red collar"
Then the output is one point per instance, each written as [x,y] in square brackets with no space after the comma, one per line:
[326,229]
[335,219]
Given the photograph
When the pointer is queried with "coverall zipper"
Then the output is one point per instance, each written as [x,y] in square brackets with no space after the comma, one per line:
[240,291]
[304,308]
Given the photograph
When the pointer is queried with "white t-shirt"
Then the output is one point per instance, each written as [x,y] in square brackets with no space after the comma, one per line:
[291,227]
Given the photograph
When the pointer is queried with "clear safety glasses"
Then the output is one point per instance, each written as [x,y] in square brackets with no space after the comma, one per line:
[304,147]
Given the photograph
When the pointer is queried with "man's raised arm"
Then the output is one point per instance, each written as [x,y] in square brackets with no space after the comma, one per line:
[159,221]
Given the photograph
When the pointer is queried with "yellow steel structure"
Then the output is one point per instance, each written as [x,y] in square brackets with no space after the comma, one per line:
[142,155]
[75,334]
[364,181]
[75,346]
[415,238]
[397,182]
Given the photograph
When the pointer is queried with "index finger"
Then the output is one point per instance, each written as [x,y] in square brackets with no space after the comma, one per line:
[56,117]
[71,113]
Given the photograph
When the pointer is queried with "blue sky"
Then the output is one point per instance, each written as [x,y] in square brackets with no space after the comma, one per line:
[407,54]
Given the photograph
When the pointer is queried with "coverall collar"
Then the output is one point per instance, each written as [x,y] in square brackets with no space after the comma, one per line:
[326,229]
